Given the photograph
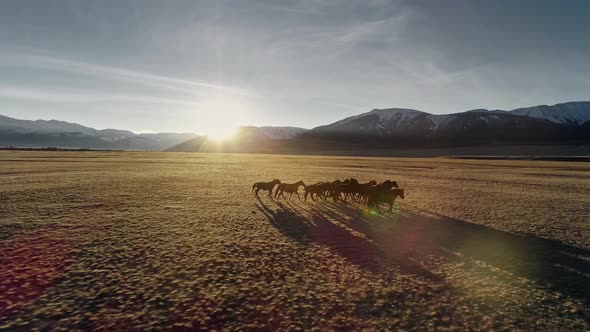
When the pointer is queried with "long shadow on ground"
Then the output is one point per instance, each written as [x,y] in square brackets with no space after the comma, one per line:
[307,225]
[403,237]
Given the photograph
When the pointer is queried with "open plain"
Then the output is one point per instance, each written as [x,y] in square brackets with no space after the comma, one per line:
[171,241]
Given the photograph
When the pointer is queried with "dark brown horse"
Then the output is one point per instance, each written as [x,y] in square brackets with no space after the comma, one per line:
[362,190]
[314,190]
[290,188]
[382,196]
[268,186]
[386,185]
[336,188]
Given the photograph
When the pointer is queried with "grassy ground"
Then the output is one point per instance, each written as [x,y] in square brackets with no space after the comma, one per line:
[151,241]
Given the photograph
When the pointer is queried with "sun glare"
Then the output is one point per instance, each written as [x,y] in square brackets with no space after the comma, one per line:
[222,133]
[226,113]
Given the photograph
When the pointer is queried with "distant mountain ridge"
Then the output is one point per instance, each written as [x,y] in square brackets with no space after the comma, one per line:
[572,113]
[272,132]
[565,123]
[247,139]
[398,127]
[62,134]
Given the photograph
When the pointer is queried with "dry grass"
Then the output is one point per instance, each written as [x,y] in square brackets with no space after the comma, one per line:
[151,241]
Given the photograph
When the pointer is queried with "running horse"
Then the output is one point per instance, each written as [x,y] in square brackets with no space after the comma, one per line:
[268,186]
[289,188]
[384,196]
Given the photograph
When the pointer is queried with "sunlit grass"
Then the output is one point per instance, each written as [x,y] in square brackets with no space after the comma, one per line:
[171,241]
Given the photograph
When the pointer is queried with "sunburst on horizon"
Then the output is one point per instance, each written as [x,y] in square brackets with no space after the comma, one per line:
[223,133]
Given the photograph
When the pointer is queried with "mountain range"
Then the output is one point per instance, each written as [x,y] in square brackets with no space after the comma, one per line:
[395,127]
[61,134]
[566,123]
[265,139]
[53,133]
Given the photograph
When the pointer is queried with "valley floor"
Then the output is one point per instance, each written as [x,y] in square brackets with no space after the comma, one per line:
[171,241]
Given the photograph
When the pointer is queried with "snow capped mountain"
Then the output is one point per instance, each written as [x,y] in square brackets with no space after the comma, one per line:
[437,120]
[392,121]
[384,122]
[385,115]
[404,127]
[572,113]
[379,128]
[377,122]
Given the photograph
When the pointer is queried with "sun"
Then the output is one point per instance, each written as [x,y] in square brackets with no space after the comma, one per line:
[223,119]
[222,133]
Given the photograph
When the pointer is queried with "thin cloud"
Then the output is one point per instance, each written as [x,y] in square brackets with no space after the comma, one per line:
[84,97]
[116,73]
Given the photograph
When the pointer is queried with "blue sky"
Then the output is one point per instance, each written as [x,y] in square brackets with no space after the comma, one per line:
[195,65]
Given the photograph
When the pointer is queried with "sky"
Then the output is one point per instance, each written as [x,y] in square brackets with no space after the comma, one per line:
[197,66]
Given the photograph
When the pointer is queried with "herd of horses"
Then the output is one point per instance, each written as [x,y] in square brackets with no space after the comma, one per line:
[370,193]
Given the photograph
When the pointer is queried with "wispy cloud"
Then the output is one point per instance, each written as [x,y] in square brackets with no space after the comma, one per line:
[116,73]
[44,95]
[299,62]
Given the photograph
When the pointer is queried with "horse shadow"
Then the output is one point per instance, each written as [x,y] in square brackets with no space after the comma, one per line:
[550,263]
[309,224]
[406,237]
[288,222]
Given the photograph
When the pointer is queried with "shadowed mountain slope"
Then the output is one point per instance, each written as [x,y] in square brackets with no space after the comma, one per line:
[53,133]
[392,128]
[395,127]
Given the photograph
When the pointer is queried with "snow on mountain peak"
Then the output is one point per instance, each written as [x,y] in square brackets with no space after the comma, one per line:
[397,115]
[572,113]
[436,120]
[385,115]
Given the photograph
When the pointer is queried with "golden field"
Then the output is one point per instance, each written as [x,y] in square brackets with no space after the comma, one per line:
[171,241]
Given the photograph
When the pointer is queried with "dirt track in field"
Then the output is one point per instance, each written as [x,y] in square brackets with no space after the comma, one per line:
[152,241]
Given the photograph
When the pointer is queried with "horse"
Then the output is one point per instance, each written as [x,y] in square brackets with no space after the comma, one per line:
[386,185]
[290,188]
[362,190]
[335,189]
[349,188]
[313,190]
[269,186]
[352,189]
[388,197]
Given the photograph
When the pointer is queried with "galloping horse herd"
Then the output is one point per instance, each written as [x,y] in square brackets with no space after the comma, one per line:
[370,193]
